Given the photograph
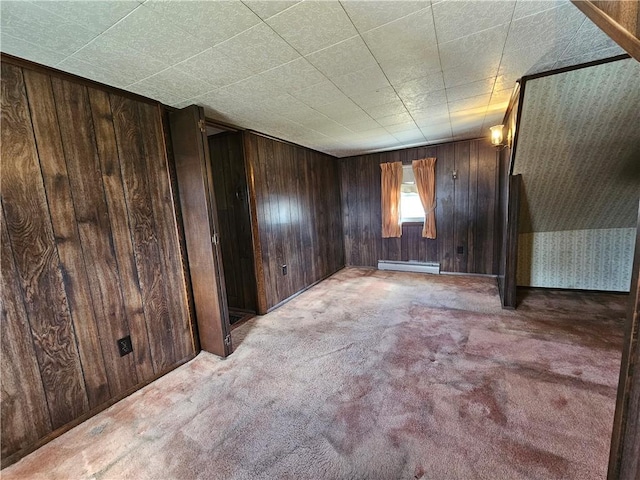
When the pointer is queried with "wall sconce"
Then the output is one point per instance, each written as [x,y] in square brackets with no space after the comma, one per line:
[496,136]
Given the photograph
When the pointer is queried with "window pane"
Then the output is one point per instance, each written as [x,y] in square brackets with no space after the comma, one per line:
[411,208]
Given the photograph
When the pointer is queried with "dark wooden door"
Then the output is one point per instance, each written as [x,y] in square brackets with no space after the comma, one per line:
[230,185]
[195,188]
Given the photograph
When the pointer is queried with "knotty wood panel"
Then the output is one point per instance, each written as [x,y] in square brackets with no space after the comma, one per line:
[87,258]
[465,209]
[295,208]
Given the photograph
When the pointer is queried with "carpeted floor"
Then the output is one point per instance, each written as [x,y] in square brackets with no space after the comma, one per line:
[374,375]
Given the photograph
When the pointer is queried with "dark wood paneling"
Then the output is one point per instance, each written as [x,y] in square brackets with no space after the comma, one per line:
[296,215]
[624,459]
[25,417]
[86,257]
[620,20]
[34,246]
[465,209]
[63,215]
[230,185]
[511,242]
[195,185]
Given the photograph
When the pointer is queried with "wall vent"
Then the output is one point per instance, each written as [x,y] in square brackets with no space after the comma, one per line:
[419,267]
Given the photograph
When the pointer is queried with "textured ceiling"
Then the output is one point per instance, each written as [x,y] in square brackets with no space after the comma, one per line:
[579,149]
[340,77]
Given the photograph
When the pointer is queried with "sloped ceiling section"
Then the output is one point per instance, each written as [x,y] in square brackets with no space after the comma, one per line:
[579,149]
[343,77]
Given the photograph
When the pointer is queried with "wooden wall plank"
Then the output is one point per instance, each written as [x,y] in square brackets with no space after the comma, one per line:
[85,180]
[162,201]
[32,240]
[25,417]
[297,215]
[143,231]
[463,216]
[63,217]
[120,227]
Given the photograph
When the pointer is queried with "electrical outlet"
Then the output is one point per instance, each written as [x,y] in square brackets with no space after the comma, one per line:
[460,249]
[124,346]
[284,269]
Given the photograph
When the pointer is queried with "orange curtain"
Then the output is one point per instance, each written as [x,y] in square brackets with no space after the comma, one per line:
[391,180]
[425,172]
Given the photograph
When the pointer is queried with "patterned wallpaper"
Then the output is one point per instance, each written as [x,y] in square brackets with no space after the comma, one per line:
[582,259]
[579,149]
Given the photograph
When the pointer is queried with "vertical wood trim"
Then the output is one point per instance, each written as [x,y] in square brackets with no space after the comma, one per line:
[511,240]
[32,240]
[250,166]
[63,215]
[624,461]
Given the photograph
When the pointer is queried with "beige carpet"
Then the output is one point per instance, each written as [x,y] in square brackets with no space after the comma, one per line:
[374,375]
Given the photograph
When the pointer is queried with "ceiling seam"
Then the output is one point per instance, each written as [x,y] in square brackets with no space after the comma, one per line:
[446,93]
[383,72]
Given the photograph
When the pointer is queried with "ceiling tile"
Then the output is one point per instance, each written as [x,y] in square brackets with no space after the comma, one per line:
[268,8]
[159,95]
[294,75]
[106,53]
[23,49]
[338,108]
[214,67]
[588,39]
[402,71]
[150,33]
[259,48]
[381,96]
[455,19]
[484,47]
[423,100]
[176,82]
[386,109]
[342,58]
[428,84]
[470,89]
[435,132]
[313,25]
[93,72]
[367,126]
[469,72]
[362,81]
[214,21]
[367,15]
[406,39]
[94,15]
[401,127]
[395,119]
[350,118]
[517,63]
[590,57]
[531,7]
[556,25]
[320,94]
[480,102]
[410,136]
[26,21]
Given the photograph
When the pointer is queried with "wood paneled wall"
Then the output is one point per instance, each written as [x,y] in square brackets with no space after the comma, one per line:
[90,253]
[295,208]
[465,209]
[234,221]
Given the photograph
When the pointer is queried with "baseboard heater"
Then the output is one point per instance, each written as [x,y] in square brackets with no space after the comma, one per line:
[420,267]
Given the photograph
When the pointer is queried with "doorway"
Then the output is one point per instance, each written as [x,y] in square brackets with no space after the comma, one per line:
[232,204]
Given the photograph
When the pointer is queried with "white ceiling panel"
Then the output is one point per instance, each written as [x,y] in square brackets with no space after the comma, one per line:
[343,58]
[259,49]
[215,67]
[367,15]
[343,77]
[24,49]
[312,25]
[152,34]
[95,15]
[196,16]
[455,19]
[26,21]
[268,8]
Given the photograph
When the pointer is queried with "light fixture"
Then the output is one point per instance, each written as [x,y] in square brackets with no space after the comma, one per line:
[496,135]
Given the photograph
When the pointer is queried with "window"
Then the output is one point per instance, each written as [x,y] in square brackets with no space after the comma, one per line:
[410,205]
